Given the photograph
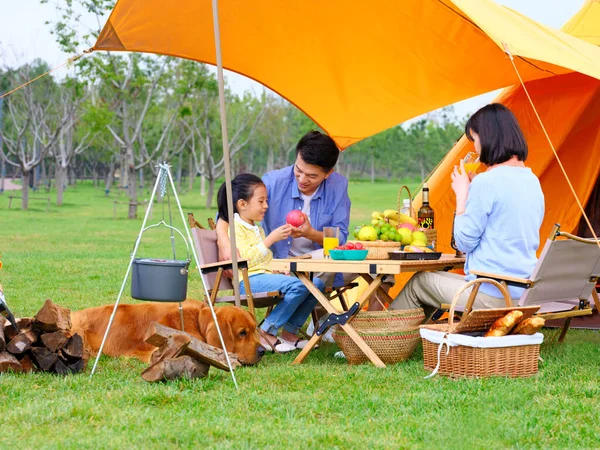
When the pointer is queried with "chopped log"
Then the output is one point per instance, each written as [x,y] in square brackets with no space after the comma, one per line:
[173,368]
[78,366]
[43,358]
[158,334]
[173,348]
[9,362]
[55,341]
[53,318]
[73,350]
[2,340]
[10,332]
[61,368]
[27,363]
[22,341]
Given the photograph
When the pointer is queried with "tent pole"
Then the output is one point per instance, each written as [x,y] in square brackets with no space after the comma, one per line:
[226,159]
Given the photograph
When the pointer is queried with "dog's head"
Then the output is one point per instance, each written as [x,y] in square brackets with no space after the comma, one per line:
[239,330]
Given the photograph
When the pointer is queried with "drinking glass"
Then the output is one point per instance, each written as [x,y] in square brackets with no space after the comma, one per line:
[331,239]
[472,162]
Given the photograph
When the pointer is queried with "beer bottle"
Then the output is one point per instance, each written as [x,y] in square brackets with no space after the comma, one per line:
[425,215]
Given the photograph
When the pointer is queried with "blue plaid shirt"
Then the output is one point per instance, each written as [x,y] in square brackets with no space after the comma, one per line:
[330,206]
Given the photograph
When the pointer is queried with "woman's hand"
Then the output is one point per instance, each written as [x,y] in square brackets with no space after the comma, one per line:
[460,186]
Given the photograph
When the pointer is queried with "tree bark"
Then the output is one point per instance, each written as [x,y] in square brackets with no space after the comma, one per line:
[211,191]
[192,173]
[61,178]
[110,176]
[25,175]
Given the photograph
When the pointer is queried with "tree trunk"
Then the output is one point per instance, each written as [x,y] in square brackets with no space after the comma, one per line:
[2,175]
[192,173]
[179,169]
[270,160]
[61,177]
[142,181]
[373,167]
[25,175]
[108,181]
[202,177]
[211,191]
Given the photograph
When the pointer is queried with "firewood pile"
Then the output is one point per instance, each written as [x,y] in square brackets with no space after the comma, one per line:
[180,355]
[43,343]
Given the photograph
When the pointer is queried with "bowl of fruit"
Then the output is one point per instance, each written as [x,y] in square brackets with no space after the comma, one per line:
[349,252]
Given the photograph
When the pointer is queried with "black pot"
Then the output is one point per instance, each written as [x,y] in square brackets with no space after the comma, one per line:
[159,280]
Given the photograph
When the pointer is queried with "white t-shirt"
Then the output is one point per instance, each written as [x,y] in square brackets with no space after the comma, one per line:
[302,245]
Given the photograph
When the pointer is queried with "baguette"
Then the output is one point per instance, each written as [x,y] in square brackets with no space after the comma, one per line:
[503,325]
[529,326]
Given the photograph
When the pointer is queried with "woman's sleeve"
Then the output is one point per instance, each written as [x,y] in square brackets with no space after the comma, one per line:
[469,226]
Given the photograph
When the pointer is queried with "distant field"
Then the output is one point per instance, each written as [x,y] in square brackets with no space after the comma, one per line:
[77,256]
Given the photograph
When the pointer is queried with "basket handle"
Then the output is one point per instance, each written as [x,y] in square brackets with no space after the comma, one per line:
[400,198]
[469,304]
[162,222]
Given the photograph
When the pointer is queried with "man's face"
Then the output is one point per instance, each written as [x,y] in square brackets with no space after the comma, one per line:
[308,176]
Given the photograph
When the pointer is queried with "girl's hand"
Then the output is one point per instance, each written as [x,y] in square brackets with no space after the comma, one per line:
[460,186]
[281,233]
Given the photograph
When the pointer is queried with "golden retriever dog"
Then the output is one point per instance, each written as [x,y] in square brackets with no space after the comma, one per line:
[128,330]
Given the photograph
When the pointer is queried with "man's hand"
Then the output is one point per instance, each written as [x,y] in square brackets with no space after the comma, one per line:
[304,230]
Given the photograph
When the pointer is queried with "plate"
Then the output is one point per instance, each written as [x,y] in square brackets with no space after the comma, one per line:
[348,255]
[411,256]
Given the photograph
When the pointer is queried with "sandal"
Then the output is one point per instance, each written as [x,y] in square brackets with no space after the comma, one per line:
[298,345]
[269,348]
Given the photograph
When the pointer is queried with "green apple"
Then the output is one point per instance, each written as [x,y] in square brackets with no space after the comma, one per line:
[405,235]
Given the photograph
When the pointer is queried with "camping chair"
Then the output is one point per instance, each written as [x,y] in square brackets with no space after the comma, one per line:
[205,242]
[562,282]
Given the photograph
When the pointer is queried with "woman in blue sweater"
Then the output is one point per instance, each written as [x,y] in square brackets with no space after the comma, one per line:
[498,216]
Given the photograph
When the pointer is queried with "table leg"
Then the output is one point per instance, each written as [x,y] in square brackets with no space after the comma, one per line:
[347,328]
[385,295]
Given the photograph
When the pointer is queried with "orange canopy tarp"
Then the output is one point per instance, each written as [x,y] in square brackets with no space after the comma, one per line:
[356,68]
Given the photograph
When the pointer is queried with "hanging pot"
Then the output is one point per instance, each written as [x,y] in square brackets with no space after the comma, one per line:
[160,280]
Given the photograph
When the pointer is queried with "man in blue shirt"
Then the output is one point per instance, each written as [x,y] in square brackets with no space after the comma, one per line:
[309,185]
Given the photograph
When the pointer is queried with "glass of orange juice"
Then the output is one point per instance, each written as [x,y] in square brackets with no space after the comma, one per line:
[471,161]
[331,239]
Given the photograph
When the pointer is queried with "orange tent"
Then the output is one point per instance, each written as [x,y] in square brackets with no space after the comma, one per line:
[356,68]
[569,106]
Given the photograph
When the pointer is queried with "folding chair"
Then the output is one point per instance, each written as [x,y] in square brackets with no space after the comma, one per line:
[208,255]
[563,281]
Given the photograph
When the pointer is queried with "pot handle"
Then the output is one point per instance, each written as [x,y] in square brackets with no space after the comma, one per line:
[162,222]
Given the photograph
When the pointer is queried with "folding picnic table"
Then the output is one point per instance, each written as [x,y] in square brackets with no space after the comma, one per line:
[372,271]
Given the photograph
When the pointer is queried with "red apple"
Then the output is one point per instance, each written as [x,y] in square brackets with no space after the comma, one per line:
[359,246]
[295,218]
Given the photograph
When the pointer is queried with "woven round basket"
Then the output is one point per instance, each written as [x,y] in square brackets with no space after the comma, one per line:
[392,319]
[393,335]
[391,346]
[379,249]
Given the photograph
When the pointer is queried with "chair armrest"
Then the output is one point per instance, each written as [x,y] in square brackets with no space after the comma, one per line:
[225,265]
[511,281]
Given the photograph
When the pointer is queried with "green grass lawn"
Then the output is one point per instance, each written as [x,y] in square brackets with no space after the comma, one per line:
[77,255]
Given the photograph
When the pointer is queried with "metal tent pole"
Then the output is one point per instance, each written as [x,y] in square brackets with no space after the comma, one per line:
[226,158]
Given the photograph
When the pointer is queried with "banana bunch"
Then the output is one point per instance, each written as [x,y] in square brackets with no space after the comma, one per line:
[392,217]
[389,216]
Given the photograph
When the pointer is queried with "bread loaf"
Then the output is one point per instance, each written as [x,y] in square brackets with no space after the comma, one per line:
[503,325]
[529,326]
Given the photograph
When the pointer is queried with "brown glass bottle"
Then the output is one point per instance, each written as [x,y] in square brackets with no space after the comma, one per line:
[425,216]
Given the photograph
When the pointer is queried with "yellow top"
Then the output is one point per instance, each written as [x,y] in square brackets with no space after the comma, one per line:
[249,241]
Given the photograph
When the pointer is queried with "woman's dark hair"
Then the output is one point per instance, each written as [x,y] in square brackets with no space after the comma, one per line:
[318,149]
[242,188]
[499,133]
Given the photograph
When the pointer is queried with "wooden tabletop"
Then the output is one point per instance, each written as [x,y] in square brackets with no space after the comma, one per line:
[374,266]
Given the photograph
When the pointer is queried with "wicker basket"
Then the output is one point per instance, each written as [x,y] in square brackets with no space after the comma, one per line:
[392,335]
[475,362]
[379,249]
[430,233]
